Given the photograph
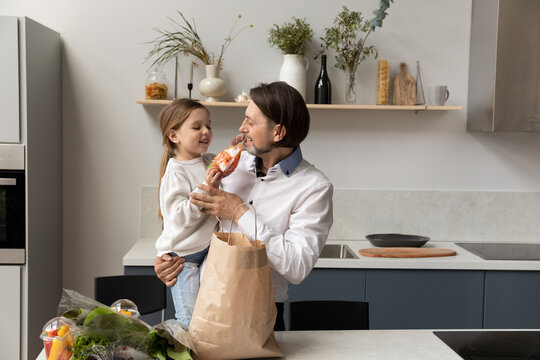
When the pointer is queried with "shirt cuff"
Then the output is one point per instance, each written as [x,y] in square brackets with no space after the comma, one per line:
[247,224]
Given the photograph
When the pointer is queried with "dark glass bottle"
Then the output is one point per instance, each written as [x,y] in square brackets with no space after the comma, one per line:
[323,88]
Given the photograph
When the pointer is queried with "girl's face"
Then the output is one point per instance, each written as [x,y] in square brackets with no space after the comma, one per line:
[194,135]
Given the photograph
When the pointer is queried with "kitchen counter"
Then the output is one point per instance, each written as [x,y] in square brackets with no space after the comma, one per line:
[143,253]
[364,344]
[361,344]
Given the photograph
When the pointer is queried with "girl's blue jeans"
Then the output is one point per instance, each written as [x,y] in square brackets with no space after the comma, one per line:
[184,292]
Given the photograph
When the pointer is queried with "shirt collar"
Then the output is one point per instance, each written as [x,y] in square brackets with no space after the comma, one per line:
[287,165]
[290,163]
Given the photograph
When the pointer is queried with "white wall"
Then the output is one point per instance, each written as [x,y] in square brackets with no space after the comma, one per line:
[112,145]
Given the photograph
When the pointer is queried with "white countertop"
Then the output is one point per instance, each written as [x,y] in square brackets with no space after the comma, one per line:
[360,344]
[364,344]
[144,252]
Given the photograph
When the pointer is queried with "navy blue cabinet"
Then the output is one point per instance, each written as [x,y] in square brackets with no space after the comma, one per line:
[328,284]
[419,299]
[331,284]
[402,299]
[424,299]
[512,300]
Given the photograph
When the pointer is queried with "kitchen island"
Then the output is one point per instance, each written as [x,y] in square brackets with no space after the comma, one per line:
[366,344]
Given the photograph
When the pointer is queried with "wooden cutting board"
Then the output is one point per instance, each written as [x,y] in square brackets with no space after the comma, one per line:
[406,252]
[404,87]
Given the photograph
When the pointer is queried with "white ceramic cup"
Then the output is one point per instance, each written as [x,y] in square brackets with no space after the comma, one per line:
[438,95]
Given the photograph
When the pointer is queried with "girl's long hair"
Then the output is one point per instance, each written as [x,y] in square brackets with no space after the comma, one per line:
[171,118]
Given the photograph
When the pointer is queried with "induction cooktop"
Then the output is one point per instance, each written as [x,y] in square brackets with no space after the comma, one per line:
[503,251]
[493,345]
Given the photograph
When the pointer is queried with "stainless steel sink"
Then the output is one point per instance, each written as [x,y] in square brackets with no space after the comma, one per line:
[503,251]
[337,251]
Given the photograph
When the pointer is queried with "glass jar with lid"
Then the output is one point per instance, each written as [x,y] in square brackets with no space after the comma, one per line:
[156,87]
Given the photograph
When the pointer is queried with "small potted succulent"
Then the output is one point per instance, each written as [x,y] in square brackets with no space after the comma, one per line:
[292,39]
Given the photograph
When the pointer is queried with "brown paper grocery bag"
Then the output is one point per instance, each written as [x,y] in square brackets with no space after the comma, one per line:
[235,312]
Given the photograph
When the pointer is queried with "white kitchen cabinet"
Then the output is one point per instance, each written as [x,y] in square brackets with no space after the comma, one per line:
[9,78]
[10,311]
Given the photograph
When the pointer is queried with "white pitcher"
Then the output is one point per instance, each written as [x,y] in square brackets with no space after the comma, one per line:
[293,72]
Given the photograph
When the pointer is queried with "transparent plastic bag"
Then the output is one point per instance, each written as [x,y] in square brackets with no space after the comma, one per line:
[105,334]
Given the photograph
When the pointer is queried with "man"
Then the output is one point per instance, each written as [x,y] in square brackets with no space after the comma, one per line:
[293,199]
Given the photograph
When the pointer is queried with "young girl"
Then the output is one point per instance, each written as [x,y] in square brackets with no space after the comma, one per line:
[186,130]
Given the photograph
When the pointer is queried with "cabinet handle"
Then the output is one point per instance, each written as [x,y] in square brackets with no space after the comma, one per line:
[8,181]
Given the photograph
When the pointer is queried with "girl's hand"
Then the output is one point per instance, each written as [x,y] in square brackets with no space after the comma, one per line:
[167,268]
[213,177]
[238,139]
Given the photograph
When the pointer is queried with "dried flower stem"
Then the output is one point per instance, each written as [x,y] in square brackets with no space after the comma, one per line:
[186,40]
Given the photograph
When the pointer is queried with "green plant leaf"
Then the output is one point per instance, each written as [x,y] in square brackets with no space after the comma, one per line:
[291,37]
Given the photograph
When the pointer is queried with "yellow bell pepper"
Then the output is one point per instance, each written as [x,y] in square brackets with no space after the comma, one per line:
[58,347]
[62,347]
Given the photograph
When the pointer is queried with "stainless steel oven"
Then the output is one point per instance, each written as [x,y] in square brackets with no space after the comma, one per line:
[12,204]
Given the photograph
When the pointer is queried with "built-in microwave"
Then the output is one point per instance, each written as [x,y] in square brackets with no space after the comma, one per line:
[12,209]
[12,204]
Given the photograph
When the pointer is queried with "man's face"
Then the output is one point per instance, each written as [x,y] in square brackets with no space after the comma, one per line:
[259,131]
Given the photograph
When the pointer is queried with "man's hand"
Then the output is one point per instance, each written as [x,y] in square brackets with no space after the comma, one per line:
[218,202]
[167,268]
[213,177]
[238,139]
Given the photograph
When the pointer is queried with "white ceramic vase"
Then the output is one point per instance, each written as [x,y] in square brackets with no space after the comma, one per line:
[293,72]
[212,86]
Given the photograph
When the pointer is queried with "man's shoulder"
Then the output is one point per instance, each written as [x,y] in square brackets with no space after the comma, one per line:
[309,171]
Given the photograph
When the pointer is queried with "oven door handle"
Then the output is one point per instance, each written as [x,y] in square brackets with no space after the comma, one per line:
[8,182]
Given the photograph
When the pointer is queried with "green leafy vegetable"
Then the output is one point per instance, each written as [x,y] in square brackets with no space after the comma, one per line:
[109,329]
[85,345]
[159,348]
[184,355]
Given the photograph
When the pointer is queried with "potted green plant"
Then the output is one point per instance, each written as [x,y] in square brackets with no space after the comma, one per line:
[292,39]
[184,39]
[347,37]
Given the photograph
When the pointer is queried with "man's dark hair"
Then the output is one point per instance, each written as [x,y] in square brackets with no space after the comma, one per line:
[284,105]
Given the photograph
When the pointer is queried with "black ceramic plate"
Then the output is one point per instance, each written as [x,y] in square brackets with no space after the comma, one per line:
[397,240]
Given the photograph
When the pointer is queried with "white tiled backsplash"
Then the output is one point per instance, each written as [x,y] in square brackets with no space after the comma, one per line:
[442,215]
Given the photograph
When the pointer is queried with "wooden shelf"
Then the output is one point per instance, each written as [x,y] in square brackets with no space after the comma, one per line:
[364,107]
[317,106]
[430,107]
[205,103]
